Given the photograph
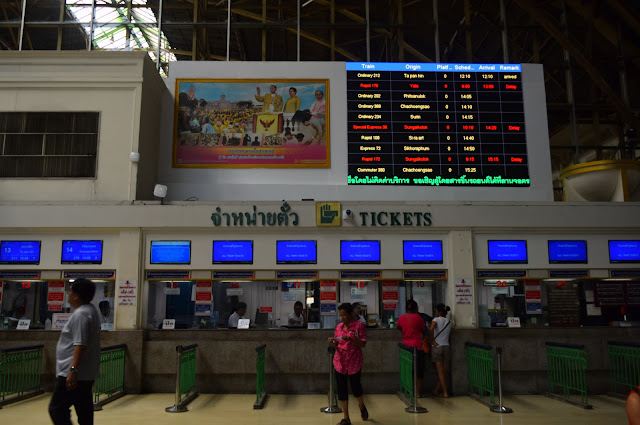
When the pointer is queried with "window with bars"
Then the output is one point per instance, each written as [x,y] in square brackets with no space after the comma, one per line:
[48,144]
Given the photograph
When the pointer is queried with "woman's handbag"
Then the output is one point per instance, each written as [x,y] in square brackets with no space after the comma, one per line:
[426,345]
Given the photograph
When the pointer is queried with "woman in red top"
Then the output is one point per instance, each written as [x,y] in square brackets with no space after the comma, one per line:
[413,329]
[348,340]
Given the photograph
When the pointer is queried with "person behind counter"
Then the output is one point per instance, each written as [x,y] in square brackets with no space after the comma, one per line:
[413,329]
[296,318]
[357,316]
[106,322]
[237,315]
[441,352]
[349,338]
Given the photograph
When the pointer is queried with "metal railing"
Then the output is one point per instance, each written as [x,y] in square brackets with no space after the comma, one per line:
[20,373]
[261,394]
[567,370]
[110,384]
[408,378]
[480,361]
[185,378]
[624,367]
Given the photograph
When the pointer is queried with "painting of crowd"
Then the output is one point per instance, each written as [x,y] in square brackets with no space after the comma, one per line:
[255,119]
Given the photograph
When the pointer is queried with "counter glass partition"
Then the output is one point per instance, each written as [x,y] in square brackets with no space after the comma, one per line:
[558,303]
[45,303]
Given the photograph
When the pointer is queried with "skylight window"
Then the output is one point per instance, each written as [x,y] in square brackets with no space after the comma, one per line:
[117,26]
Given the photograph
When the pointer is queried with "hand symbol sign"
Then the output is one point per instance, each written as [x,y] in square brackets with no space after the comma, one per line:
[326,215]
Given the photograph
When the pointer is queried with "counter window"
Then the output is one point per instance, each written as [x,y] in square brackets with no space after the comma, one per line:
[558,303]
[45,304]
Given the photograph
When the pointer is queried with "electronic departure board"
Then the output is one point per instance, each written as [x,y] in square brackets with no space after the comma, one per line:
[436,124]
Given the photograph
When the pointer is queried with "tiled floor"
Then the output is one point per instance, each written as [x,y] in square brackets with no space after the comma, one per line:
[305,409]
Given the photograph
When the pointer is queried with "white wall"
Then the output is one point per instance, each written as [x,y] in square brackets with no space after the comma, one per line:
[109,83]
[331,184]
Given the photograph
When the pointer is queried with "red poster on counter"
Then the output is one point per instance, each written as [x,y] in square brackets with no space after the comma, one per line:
[55,307]
[266,309]
[328,296]
[53,297]
[390,295]
[203,296]
[327,285]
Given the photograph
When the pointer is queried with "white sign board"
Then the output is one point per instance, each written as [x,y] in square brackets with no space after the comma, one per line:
[243,323]
[58,320]
[513,322]
[169,324]
[23,324]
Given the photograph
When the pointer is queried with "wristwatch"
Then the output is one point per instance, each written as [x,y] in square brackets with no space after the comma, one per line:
[73,369]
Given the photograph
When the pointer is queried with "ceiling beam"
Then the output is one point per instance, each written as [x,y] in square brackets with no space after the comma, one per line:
[575,51]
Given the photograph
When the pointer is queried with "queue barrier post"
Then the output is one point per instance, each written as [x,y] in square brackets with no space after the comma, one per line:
[110,383]
[624,367]
[500,407]
[261,394]
[409,378]
[20,373]
[185,378]
[567,370]
[333,403]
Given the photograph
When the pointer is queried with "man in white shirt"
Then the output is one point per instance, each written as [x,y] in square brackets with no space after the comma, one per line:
[237,315]
[296,318]
[77,358]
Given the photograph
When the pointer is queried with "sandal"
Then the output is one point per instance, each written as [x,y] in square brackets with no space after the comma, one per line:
[364,413]
[344,422]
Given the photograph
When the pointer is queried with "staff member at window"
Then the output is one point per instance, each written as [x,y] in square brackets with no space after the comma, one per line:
[348,340]
[237,315]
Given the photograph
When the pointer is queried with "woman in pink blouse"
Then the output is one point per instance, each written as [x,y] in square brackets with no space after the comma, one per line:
[349,338]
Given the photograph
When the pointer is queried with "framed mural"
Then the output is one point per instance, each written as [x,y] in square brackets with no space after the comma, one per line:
[251,124]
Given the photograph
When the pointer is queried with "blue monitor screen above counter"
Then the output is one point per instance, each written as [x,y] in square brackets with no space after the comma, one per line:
[296,252]
[624,251]
[170,252]
[507,252]
[422,252]
[81,252]
[20,252]
[232,252]
[359,252]
[567,252]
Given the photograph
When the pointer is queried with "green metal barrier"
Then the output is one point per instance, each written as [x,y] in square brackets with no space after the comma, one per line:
[186,378]
[567,370]
[624,367]
[406,373]
[408,378]
[480,363]
[20,373]
[110,385]
[261,394]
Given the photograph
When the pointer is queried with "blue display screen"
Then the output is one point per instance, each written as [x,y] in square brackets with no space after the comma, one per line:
[20,252]
[514,252]
[567,252]
[425,252]
[170,252]
[82,252]
[360,252]
[296,252]
[232,252]
[624,251]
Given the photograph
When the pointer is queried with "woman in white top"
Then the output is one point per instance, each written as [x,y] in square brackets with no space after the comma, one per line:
[441,352]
